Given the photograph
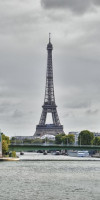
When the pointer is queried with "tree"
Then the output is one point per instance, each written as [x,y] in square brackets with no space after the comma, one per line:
[6,138]
[27,141]
[71,139]
[85,138]
[13,154]
[58,138]
[68,139]
[13,138]
[65,139]
[96,141]
[5,143]
[37,141]
[4,147]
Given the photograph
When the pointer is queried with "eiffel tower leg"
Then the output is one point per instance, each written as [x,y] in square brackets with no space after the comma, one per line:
[43,117]
[55,117]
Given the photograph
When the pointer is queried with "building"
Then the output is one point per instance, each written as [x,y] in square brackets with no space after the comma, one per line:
[21,138]
[49,137]
[76,134]
[96,134]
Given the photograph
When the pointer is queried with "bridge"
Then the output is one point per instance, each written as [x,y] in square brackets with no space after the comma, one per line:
[36,147]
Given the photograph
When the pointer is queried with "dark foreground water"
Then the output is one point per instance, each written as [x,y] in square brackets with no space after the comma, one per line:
[50,180]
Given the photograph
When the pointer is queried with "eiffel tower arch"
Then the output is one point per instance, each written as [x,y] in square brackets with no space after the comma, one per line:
[49,105]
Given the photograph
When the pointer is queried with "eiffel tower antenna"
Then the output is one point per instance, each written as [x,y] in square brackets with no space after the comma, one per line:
[49,37]
[49,105]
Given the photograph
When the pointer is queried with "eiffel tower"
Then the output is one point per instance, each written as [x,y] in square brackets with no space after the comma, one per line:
[49,105]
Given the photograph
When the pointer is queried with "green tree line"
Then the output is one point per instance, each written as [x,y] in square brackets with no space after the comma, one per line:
[60,138]
[64,139]
[87,138]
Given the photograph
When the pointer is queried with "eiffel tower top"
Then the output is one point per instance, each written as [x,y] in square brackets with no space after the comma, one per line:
[49,45]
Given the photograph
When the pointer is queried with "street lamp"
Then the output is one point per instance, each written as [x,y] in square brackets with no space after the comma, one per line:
[67,140]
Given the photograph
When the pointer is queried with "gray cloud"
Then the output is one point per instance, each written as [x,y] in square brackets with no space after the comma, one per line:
[76,6]
[92,111]
[77,104]
[16,20]
[24,28]
[17,114]
[5,107]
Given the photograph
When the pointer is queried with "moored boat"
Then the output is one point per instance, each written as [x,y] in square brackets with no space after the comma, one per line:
[21,153]
[82,153]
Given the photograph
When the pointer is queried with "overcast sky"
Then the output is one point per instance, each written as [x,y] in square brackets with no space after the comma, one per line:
[24,29]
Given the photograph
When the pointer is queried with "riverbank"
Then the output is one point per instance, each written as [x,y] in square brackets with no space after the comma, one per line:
[51,157]
[9,159]
[48,157]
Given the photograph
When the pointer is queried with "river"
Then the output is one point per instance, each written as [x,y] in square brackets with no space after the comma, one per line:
[50,180]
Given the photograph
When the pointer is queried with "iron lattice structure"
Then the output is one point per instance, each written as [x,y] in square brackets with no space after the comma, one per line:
[49,105]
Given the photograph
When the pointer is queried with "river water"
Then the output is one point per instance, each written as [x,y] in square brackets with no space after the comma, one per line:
[50,180]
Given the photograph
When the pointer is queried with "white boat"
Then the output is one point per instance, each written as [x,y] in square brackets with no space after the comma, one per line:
[72,153]
[82,154]
[78,153]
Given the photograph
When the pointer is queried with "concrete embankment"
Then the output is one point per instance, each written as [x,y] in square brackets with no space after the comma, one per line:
[9,159]
[57,158]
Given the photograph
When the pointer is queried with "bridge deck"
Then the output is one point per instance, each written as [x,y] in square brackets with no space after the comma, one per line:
[35,147]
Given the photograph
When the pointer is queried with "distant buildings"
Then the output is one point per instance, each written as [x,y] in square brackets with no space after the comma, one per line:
[21,138]
[50,137]
[96,134]
[76,134]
